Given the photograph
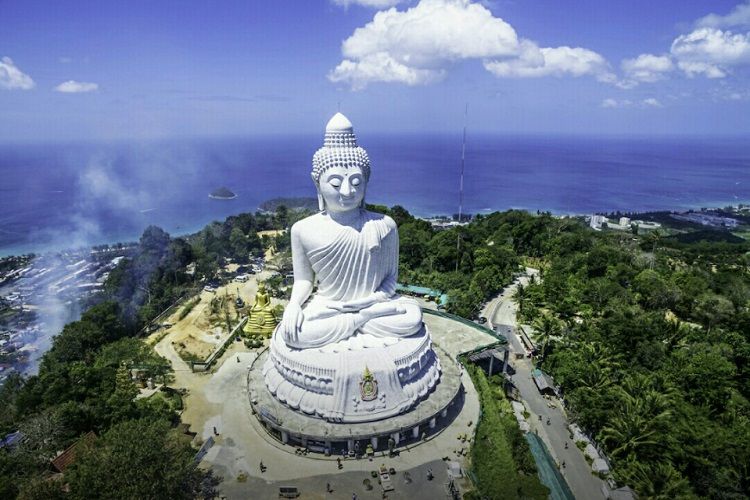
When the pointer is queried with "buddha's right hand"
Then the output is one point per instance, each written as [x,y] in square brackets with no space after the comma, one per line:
[291,322]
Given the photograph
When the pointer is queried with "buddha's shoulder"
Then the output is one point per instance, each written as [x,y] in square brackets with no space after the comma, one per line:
[381,219]
[308,223]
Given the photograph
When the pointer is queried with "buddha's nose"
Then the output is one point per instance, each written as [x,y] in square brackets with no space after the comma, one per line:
[346,188]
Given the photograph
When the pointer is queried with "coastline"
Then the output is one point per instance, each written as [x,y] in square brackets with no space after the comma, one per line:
[181,230]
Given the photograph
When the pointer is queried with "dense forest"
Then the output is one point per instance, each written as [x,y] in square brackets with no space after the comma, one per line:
[84,382]
[649,339]
[470,263]
[648,336]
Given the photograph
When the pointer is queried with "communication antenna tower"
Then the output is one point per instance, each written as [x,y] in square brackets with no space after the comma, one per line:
[461,188]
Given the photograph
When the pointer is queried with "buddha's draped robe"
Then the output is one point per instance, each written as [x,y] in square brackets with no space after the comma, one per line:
[355,265]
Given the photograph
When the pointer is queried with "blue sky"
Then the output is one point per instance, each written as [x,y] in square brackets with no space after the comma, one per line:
[112,70]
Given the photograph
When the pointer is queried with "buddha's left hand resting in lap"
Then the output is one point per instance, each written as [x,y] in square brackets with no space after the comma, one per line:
[353,256]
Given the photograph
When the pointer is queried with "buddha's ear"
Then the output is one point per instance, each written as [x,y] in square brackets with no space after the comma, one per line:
[321,202]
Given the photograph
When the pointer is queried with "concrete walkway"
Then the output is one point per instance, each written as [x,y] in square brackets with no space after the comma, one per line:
[577,472]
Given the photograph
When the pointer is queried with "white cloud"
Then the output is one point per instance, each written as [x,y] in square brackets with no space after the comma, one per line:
[13,78]
[381,67]
[740,16]
[692,69]
[614,103]
[432,32]
[377,4]
[652,103]
[711,51]
[74,87]
[729,92]
[415,47]
[647,68]
[552,61]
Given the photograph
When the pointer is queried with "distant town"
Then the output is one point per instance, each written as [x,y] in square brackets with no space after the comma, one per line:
[730,218]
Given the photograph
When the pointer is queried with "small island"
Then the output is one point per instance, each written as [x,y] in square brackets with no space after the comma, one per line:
[222,193]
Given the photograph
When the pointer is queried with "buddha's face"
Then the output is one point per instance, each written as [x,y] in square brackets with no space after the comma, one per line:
[342,188]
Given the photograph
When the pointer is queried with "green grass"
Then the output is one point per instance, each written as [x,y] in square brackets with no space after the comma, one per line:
[501,459]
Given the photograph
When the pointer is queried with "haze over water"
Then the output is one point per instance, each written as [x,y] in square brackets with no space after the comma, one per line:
[61,196]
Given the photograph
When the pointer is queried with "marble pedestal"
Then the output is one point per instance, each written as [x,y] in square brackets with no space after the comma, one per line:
[362,379]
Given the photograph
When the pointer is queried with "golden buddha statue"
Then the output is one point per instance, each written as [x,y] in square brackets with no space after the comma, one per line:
[261,320]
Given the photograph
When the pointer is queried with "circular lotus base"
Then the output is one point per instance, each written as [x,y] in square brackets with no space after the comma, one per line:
[431,412]
[363,378]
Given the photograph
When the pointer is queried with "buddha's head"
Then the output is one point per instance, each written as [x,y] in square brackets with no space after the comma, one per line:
[341,169]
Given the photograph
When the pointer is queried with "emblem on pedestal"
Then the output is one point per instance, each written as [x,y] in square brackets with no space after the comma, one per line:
[368,386]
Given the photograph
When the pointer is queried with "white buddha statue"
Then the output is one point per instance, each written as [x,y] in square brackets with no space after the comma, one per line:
[352,350]
[350,252]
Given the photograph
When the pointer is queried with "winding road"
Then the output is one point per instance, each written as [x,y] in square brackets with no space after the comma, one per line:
[501,316]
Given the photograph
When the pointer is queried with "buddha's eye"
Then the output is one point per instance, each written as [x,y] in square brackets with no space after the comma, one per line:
[335,181]
[356,181]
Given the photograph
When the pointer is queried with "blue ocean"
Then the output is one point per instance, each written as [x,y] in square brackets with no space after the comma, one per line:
[57,196]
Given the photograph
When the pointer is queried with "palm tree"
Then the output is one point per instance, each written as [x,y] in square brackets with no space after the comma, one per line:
[629,435]
[637,432]
[675,332]
[659,482]
[546,327]
[595,377]
[601,355]
[520,297]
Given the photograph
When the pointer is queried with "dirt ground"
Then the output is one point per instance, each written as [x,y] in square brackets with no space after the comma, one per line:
[199,333]
[270,232]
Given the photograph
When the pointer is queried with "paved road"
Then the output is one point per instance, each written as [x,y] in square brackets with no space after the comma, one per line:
[501,314]
[411,484]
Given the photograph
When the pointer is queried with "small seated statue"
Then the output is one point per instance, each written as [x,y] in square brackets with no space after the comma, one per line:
[261,320]
[351,253]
